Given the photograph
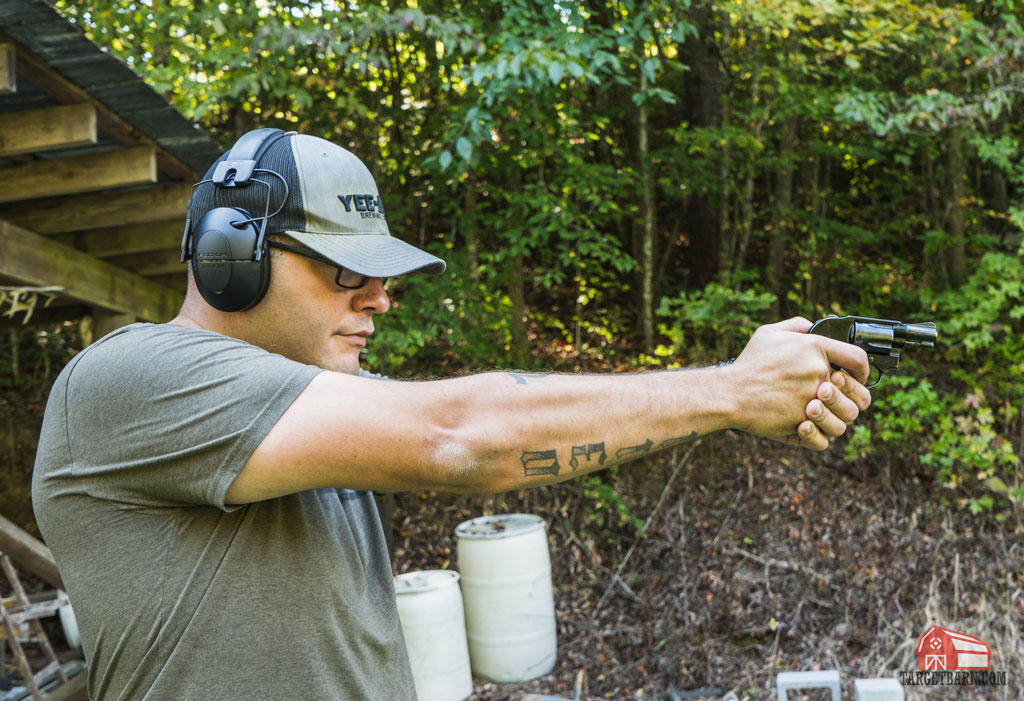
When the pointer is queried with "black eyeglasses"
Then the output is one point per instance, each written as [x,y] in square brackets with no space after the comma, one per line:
[349,279]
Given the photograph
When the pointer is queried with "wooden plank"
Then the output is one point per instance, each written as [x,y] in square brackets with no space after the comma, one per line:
[82,212]
[44,675]
[87,173]
[50,128]
[36,260]
[133,238]
[28,552]
[8,76]
[74,690]
[50,81]
[42,609]
[177,282]
[166,262]
[23,666]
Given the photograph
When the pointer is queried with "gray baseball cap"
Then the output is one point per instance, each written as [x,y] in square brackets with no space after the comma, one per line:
[331,204]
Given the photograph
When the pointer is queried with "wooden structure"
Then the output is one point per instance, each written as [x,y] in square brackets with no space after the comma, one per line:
[95,172]
[24,612]
[20,549]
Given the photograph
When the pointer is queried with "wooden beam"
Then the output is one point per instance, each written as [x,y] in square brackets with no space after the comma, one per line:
[28,552]
[36,260]
[133,238]
[83,212]
[50,128]
[167,262]
[49,81]
[176,281]
[8,76]
[74,689]
[87,173]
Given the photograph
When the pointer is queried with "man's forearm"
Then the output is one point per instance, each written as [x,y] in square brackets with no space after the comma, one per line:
[509,430]
[499,431]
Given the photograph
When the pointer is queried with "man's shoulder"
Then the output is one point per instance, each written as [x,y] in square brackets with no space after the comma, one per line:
[152,343]
[162,337]
[140,356]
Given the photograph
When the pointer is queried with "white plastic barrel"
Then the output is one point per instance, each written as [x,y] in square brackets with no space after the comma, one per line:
[506,586]
[68,621]
[430,609]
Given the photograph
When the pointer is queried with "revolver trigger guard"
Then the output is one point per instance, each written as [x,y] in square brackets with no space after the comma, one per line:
[871,374]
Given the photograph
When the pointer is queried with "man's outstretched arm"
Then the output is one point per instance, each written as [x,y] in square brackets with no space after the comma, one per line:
[505,430]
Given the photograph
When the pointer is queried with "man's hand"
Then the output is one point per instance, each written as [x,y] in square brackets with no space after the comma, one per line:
[789,391]
[838,403]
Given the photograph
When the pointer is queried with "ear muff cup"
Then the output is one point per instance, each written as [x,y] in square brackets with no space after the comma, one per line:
[226,273]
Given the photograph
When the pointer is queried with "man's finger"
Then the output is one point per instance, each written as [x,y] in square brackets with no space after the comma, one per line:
[810,437]
[849,357]
[827,422]
[796,323]
[858,393]
[837,402]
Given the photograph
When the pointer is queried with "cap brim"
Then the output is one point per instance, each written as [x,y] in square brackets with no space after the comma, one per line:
[375,255]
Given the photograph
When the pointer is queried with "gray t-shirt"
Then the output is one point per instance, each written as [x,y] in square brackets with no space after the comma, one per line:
[177,595]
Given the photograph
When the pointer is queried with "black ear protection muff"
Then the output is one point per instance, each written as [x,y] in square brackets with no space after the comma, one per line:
[228,247]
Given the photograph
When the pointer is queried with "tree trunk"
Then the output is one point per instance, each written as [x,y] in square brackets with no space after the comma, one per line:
[782,231]
[746,222]
[746,200]
[702,110]
[517,295]
[470,231]
[958,251]
[647,242]
[727,254]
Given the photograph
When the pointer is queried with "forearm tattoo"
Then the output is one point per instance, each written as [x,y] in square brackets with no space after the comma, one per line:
[586,451]
[634,451]
[537,463]
[540,462]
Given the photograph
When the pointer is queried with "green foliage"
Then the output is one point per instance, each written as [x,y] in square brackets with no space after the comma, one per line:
[34,355]
[848,157]
[960,435]
[607,509]
[437,323]
[985,314]
[713,317]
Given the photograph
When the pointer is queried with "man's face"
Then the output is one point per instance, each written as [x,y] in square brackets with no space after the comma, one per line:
[305,316]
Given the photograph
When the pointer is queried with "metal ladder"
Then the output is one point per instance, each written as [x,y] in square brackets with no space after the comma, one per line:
[24,611]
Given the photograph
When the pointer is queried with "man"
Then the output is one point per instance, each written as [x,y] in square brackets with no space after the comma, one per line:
[203,484]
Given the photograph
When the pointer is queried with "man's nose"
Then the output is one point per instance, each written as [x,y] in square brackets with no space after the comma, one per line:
[372,297]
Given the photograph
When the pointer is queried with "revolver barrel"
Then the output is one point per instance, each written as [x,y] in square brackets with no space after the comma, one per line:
[919,335]
[882,337]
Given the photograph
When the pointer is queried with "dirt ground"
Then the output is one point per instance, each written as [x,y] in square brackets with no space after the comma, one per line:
[757,559]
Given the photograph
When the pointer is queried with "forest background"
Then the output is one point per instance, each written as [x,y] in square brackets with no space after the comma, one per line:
[622,185]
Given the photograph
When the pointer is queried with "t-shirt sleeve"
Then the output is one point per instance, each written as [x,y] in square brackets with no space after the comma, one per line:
[167,417]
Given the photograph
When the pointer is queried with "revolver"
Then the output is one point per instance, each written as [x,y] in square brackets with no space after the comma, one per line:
[883,339]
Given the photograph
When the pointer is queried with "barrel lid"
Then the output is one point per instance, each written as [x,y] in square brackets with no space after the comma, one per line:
[424,580]
[499,526]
